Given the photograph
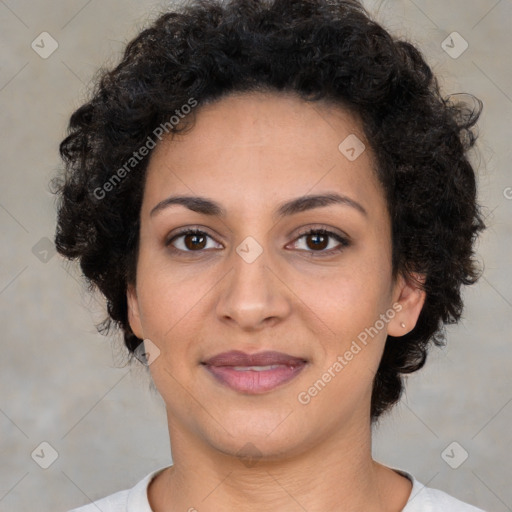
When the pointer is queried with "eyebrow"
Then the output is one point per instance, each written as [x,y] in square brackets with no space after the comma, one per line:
[207,206]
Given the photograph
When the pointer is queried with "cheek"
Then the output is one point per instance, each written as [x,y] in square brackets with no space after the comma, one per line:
[347,298]
[172,303]
[166,292]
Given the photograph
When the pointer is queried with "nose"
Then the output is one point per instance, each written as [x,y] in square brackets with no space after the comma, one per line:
[253,295]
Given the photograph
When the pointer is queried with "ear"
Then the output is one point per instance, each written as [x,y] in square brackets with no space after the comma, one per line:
[408,300]
[133,311]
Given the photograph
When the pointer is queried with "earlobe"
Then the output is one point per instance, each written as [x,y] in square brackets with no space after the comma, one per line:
[133,311]
[410,296]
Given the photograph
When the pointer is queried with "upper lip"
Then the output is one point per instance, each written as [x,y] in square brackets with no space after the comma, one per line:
[239,358]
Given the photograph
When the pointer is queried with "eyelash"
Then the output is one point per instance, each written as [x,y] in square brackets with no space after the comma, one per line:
[344,242]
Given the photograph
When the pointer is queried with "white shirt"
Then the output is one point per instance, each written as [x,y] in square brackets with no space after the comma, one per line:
[422,499]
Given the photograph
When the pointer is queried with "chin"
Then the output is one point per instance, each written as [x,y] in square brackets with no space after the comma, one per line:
[253,449]
[272,438]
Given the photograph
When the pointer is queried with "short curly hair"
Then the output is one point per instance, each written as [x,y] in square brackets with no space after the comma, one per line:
[321,50]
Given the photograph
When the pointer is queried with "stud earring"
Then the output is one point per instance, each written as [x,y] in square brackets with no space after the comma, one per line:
[402,325]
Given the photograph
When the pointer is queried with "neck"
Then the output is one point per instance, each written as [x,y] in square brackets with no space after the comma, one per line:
[336,474]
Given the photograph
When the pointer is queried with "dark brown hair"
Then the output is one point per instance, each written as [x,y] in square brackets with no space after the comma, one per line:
[319,49]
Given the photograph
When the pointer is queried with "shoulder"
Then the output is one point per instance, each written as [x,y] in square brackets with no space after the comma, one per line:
[426,499]
[129,500]
[114,503]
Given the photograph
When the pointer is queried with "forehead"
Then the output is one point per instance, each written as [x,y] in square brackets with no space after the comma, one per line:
[258,148]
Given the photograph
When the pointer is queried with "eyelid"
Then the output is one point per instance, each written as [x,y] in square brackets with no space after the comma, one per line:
[323,227]
[186,229]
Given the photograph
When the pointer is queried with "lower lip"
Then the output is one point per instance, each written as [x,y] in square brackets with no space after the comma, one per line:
[253,381]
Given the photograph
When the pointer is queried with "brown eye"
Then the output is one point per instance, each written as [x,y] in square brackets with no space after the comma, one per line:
[189,240]
[194,241]
[318,240]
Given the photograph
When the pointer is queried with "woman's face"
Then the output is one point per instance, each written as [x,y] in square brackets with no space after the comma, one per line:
[320,305]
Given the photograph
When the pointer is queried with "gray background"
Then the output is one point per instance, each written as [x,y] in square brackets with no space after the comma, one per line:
[64,384]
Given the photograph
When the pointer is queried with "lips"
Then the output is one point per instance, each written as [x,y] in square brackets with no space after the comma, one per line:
[254,373]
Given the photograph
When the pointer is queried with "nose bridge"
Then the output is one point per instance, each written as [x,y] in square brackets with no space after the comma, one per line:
[253,293]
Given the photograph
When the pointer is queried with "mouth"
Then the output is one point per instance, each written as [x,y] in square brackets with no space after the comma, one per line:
[254,373]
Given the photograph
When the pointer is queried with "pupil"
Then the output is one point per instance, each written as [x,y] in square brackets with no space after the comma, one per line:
[316,244]
[193,244]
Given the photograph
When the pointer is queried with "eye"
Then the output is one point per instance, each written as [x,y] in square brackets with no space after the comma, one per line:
[194,240]
[318,239]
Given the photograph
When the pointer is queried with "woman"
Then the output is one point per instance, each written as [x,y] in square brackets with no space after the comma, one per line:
[276,202]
